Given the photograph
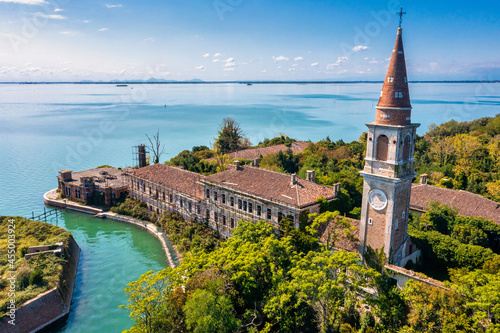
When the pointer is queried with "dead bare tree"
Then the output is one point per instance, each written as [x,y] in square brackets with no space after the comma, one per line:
[155,147]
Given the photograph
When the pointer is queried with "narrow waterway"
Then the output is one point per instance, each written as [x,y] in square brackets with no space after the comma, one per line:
[113,254]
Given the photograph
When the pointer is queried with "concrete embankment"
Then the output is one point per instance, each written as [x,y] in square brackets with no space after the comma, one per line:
[51,307]
[173,257]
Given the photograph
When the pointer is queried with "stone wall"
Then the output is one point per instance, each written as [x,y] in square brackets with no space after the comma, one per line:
[50,307]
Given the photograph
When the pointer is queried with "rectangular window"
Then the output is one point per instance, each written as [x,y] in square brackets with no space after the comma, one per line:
[240,204]
[269,213]
[144,187]
[216,217]
[232,223]
[245,206]
[207,193]
[207,214]
[112,195]
[396,224]
[171,197]
[150,190]
[231,201]
[190,206]
[223,198]
[280,216]
[163,194]
[250,207]
[223,219]
[390,79]
[292,218]
[370,221]
[398,94]
[215,195]
[259,210]
[182,203]
[198,209]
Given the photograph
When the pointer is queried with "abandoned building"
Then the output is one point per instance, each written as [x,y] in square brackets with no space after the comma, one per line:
[95,186]
[223,199]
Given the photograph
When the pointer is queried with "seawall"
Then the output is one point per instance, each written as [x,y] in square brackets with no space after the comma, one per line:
[51,307]
[173,257]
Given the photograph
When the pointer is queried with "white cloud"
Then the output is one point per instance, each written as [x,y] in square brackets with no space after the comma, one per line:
[59,10]
[26,2]
[298,59]
[217,55]
[295,65]
[229,60]
[69,33]
[314,64]
[358,48]
[51,16]
[206,55]
[114,6]
[264,71]
[280,58]
[216,60]
[103,29]
[291,69]
[85,21]
[230,64]
[341,60]
[200,68]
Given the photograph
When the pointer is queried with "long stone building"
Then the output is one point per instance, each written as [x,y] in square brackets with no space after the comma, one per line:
[224,199]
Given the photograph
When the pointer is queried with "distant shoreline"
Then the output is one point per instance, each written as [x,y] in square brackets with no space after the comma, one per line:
[242,82]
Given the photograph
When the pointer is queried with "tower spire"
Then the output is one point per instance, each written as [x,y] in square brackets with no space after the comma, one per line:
[394,106]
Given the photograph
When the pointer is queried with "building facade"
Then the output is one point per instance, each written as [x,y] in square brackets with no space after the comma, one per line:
[95,186]
[388,170]
[222,200]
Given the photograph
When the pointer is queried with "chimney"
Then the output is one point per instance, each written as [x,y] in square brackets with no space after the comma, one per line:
[311,175]
[141,151]
[255,163]
[336,189]
[423,179]
[293,179]
[237,165]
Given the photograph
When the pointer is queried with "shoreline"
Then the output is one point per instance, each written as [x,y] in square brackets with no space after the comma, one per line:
[172,259]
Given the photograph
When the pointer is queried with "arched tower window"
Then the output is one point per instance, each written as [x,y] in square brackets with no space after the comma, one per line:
[382,148]
[406,148]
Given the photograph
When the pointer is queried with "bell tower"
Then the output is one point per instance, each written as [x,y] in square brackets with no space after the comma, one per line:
[388,170]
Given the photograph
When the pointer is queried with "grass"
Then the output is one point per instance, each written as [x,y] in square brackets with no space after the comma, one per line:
[33,276]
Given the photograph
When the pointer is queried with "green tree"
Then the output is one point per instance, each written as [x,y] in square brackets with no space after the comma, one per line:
[231,136]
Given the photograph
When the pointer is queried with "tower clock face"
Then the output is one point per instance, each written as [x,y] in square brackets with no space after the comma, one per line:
[377,199]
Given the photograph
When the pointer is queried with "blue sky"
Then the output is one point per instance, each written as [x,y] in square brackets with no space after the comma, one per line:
[70,40]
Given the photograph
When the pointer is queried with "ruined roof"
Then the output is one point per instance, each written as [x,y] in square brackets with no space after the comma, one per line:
[343,243]
[102,177]
[467,203]
[271,185]
[253,153]
[175,178]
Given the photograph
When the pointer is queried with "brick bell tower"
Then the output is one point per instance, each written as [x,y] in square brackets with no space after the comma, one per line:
[388,171]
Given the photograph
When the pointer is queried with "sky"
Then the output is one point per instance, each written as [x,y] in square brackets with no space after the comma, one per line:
[221,40]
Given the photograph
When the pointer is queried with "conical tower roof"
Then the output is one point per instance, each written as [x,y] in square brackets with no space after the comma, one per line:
[394,106]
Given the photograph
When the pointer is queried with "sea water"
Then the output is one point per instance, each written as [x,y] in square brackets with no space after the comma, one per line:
[49,127]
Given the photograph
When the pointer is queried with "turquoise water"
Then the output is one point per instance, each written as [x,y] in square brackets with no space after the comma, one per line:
[45,128]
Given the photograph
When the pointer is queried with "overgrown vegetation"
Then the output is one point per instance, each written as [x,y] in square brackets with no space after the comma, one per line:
[134,208]
[462,156]
[33,276]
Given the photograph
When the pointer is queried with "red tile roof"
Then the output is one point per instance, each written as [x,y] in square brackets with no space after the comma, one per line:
[253,153]
[177,179]
[271,185]
[467,203]
[343,242]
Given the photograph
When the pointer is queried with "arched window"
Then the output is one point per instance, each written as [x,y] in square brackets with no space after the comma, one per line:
[382,148]
[406,149]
